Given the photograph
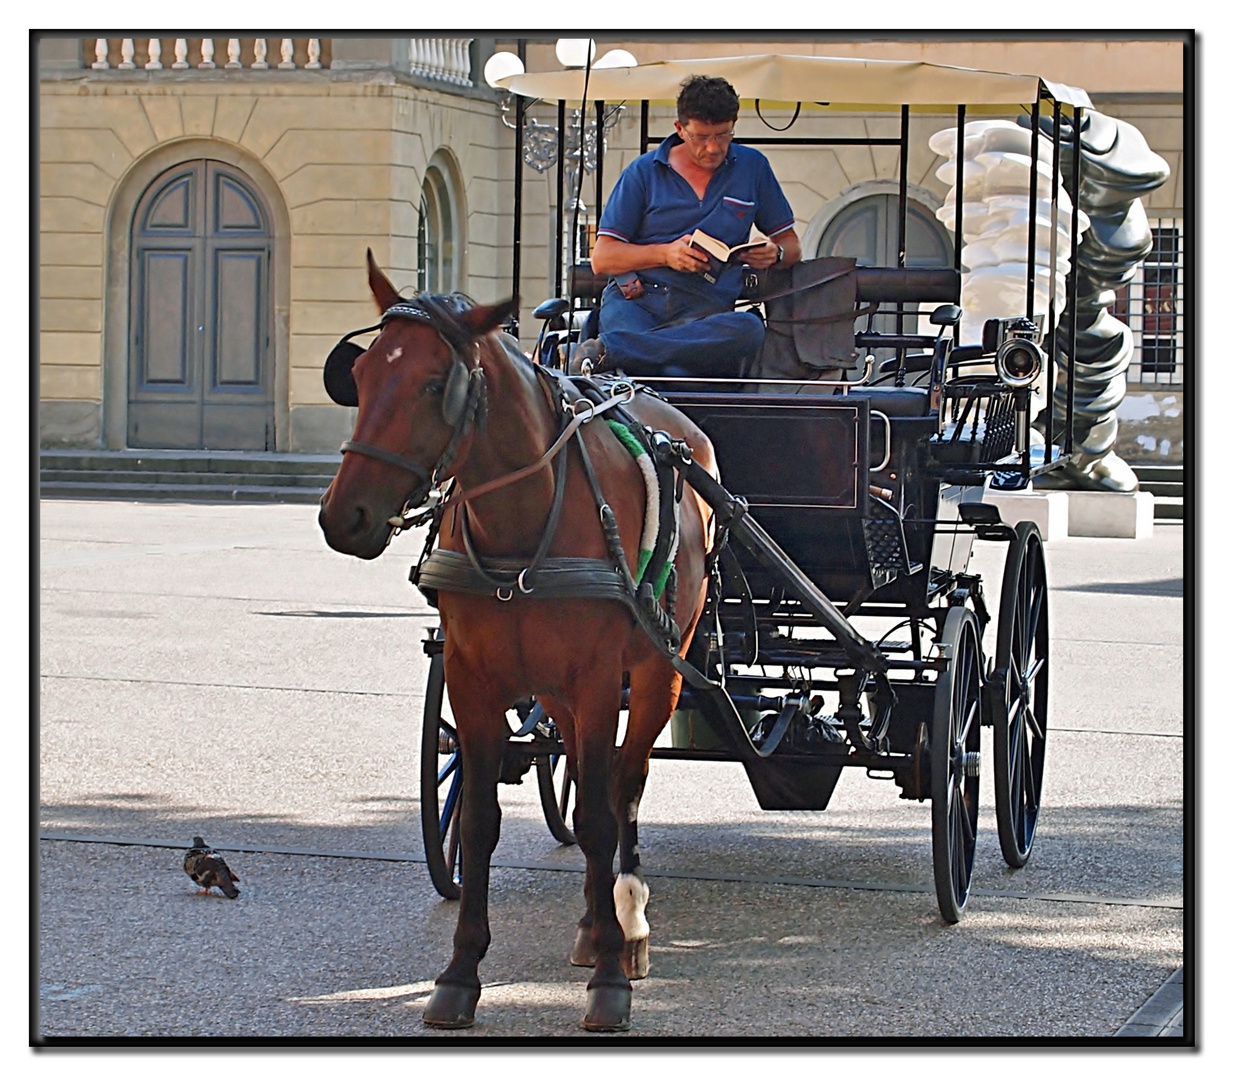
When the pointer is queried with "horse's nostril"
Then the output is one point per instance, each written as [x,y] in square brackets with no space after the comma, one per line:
[360,521]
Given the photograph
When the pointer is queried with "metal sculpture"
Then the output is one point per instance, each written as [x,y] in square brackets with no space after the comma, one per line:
[1117,168]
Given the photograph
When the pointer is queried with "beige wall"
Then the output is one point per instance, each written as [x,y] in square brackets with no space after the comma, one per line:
[341,157]
[341,160]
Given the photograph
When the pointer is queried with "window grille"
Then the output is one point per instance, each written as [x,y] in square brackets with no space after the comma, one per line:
[1152,304]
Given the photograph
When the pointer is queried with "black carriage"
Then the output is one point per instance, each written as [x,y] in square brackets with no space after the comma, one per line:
[873,525]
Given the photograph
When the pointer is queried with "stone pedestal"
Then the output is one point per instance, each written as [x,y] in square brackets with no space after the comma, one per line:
[1046,509]
[1058,514]
[1111,514]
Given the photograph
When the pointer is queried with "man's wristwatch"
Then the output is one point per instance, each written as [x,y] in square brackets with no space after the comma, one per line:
[780,253]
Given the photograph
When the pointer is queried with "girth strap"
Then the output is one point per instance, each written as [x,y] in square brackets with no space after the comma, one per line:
[557,578]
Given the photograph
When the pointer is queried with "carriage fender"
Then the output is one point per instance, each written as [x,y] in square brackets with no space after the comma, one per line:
[630,897]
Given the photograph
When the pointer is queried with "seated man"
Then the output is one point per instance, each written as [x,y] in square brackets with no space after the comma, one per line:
[660,315]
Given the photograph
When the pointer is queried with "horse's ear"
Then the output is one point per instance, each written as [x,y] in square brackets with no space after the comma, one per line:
[485,317]
[384,292]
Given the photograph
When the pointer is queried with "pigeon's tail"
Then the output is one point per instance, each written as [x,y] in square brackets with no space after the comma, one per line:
[229,890]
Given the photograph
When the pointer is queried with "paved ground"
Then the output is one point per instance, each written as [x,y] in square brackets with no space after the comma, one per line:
[217,670]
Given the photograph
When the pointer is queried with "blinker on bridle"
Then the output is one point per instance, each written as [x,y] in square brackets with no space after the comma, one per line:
[463,398]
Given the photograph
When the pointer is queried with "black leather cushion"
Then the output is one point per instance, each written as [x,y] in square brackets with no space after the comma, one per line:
[895,400]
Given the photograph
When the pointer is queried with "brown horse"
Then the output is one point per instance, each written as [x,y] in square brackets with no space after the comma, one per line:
[570,653]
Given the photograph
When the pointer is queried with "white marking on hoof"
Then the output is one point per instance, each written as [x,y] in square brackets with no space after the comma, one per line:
[630,897]
[394,354]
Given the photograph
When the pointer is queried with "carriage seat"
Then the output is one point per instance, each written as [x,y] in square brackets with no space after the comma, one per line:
[894,400]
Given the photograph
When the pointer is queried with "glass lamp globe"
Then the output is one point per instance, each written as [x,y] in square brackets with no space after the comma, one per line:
[500,65]
[575,52]
[616,58]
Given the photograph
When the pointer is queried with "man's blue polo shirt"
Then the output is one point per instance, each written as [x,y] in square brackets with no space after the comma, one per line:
[653,204]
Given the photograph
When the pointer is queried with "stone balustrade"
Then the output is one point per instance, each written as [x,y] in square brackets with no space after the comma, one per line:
[444,60]
[205,54]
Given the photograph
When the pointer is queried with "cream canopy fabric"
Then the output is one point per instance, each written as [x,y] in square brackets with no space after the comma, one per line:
[821,79]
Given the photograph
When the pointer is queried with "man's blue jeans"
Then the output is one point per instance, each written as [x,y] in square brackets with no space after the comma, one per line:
[705,343]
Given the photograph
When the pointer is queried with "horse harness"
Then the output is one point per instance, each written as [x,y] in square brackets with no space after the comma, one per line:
[464,398]
[562,577]
[464,403]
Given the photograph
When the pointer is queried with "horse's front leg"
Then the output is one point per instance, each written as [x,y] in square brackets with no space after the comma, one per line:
[609,994]
[482,738]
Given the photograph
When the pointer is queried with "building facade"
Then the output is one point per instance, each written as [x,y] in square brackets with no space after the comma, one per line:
[205,207]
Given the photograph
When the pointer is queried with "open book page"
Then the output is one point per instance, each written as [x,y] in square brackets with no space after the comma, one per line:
[720,253]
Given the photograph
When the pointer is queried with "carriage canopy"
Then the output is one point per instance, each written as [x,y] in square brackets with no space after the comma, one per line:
[838,83]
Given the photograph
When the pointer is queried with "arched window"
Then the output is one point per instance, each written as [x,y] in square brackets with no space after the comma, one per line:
[437,239]
[867,229]
[864,224]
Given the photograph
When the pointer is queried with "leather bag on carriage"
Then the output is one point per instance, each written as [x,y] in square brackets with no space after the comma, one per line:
[809,309]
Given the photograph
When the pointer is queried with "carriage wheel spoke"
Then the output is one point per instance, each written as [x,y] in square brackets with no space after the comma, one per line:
[448,768]
[453,861]
[970,713]
[1031,621]
[448,805]
[967,833]
[1029,782]
[1033,725]
[1038,664]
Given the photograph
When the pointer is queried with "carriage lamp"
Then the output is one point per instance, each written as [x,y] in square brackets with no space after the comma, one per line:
[1018,356]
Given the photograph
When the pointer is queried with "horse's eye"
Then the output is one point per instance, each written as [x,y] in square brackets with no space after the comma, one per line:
[434,389]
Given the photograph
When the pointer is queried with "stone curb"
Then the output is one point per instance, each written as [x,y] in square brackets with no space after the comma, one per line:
[1162,1016]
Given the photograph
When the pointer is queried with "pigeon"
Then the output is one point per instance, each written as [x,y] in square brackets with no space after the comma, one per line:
[206,866]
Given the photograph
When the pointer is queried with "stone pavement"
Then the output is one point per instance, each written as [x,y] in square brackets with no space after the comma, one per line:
[216,670]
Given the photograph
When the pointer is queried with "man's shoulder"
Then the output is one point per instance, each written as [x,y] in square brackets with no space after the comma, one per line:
[641,167]
[750,157]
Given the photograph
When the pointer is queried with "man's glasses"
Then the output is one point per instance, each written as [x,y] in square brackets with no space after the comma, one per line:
[722,140]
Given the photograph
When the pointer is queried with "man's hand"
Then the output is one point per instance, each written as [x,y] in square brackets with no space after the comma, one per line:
[762,257]
[681,256]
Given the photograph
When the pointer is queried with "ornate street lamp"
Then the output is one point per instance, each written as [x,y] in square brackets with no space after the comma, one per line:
[581,145]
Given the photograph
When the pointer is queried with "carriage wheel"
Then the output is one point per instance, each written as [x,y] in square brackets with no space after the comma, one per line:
[557,792]
[441,786]
[1022,646]
[956,734]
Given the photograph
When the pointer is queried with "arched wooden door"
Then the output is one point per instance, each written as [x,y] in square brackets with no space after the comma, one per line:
[200,323]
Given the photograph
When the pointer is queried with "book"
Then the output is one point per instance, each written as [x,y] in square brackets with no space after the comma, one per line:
[720,254]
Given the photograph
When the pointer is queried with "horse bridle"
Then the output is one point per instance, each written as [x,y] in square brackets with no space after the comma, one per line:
[463,398]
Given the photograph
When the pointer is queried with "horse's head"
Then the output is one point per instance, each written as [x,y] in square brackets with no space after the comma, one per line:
[420,393]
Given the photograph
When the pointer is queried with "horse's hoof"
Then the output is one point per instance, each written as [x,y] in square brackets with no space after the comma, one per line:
[452,1006]
[608,1009]
[635,961]
[584,952]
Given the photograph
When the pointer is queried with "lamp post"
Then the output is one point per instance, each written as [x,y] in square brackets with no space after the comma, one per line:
[571,143]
